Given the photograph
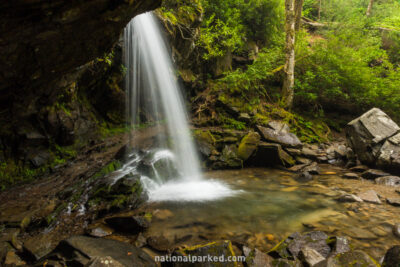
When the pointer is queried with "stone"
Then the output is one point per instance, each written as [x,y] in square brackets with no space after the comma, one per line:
[248,145]
[83,250]
[392,257]
[388,180]
[100,231]
[297,168]
[372,174]
[341,245]
[40,158]
[351,175]
[282,137]
[40,245]
[256,258]
[12,259]
[287,263]
[312,169]
[140,241]
[350,258]
[393,201]
[157,163]
[396,230]
[205,142]
[229,158]
[370,196]
[303,177]
[359,168]
[340,151]
[310,256]
[213,249]
[366,134]
[269,154]
[160,243]
[310,153]
[244,117]
[302,160]
[128,224]
[389,154]
[349,198]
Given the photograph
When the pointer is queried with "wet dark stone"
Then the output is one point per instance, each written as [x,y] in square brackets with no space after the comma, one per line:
[160,243]
[373,174]
[392,257]
[131,224]
[303,177]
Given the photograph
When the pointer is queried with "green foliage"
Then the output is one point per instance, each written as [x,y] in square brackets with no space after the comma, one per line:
[111,167]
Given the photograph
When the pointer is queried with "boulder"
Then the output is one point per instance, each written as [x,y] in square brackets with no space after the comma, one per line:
[279,133]
[83,251]
[392,257]
[269,154]
[205,142]
[159,164]
[370,196]
[310,256]
[373,174]
[128,224]
[375,139]
[248,145]
[388,180]
[256,258]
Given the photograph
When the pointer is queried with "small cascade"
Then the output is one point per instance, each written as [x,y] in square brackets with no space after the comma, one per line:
[172,170]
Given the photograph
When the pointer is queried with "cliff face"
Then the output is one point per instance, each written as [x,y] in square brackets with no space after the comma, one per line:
[45,49]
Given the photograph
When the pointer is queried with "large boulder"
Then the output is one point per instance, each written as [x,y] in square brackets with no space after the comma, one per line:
[278,132]
[83,251]
[375,139]
[248,145]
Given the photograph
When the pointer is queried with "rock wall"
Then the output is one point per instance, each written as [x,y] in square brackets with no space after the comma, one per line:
[50,53]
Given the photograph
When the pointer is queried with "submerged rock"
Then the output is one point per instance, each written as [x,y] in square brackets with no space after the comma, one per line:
[84,250]
[392,257]
[373,174]
[303,177]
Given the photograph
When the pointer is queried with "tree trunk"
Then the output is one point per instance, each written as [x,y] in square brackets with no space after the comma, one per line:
[298,11]
[288,82]
[319,10]
[369,9]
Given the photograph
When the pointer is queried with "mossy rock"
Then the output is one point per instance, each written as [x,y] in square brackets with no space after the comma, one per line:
[248,145]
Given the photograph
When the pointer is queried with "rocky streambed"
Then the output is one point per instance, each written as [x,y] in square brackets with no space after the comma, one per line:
[318,206]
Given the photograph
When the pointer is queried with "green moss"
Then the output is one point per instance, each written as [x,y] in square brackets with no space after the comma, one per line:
[53,216]
[110,167]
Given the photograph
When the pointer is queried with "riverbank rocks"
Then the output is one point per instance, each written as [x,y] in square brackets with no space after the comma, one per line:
[373,174]
[83,251]
[375,139]
[392,257]
[248,145]
[388,180]
[269,154]
[278,132]
[370,196]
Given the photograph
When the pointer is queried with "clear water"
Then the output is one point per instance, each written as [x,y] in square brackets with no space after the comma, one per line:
[155,96]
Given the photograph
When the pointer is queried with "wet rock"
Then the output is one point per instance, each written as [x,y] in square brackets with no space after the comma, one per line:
[359,168]
[269,154]
[367,133]
[396,230]
[128,224]
[40,158]
[393,201]
[340,151]
[292,246]
[310,256]
[297,168]
[349,198]
[83,250]
[388,180]
[158,164]
[205,142]
[389,156]
[351,258]
[213,249]
[341,245]
[373,174]
[370,196]
[12,259]
[280,135]
[303,177]
[392,257]
[256,258]
[160,243]
[229,158]
[312,169]
[140,241]
[40,245]
[248,145]
[310,153]
[5,247]
[302,160]
[100,231]
[351,175]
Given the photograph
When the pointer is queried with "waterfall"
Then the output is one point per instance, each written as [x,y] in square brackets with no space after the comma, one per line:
[155,96]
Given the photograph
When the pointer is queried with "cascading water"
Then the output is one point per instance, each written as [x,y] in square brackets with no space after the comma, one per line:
[154,96]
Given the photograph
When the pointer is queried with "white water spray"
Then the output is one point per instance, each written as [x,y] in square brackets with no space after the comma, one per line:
[154,95]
